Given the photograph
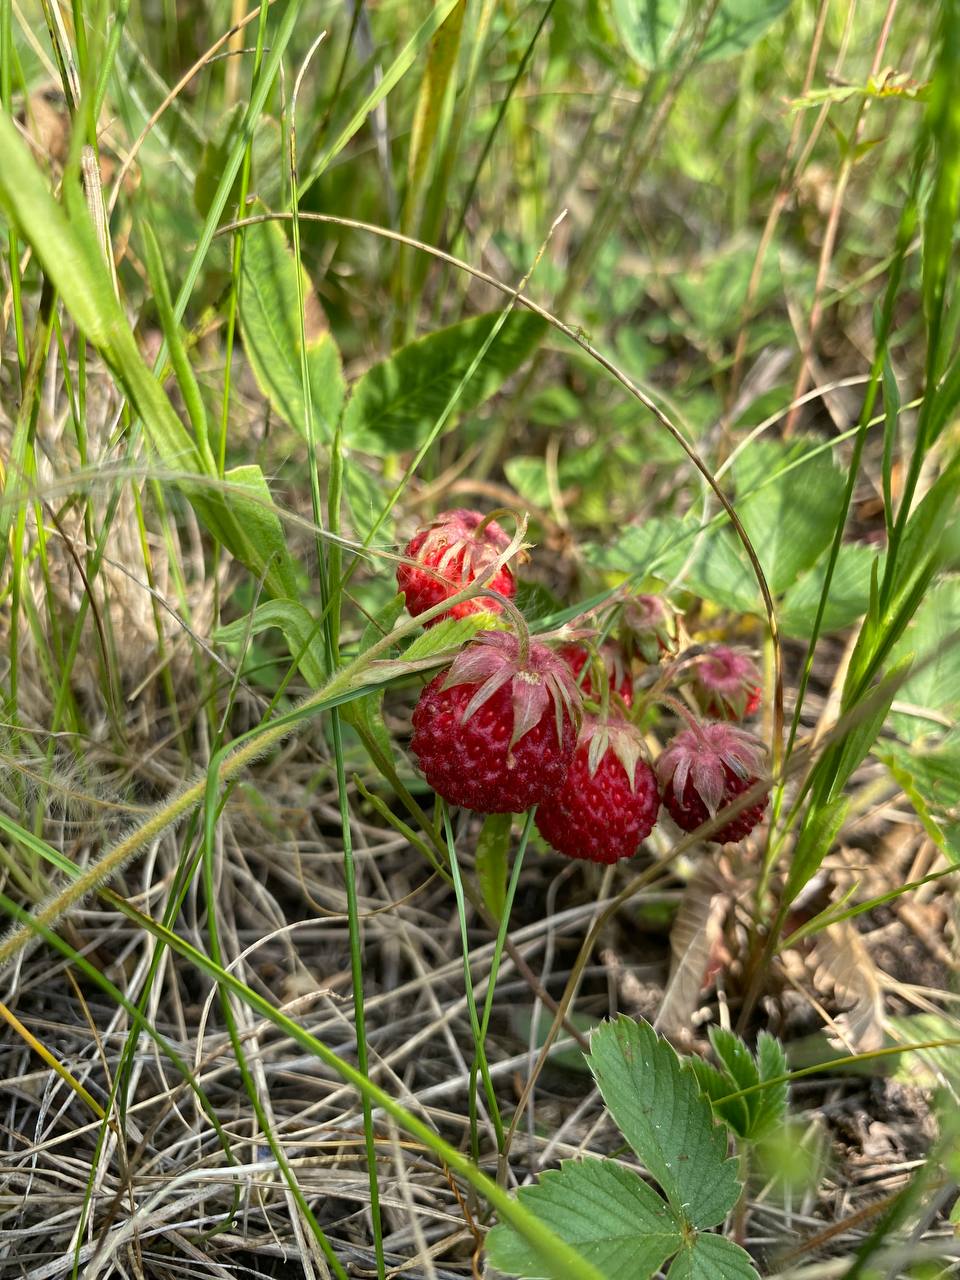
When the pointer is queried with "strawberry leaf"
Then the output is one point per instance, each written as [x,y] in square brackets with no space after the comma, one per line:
[657,1104]
[606,1212]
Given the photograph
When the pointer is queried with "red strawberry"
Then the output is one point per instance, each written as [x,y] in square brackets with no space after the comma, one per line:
[498,731]
[609,801]
[706,767]
[726,683]
[618,675]
[449,554]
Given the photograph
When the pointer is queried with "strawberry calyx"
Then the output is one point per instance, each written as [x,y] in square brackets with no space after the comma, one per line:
[538,678]
[701,755]
[727,682]
[619,736]
[652,626]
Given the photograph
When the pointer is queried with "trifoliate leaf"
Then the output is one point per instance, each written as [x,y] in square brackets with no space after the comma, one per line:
[658,1106]
[606,1212]
[709,1257]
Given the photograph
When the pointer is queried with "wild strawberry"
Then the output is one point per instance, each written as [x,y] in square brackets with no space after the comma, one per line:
[498,731]
[448,555]
[652,626]
[617,674]
[726,683]
[609,800]
[706,767]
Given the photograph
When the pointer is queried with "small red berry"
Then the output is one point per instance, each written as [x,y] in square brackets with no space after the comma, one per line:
[497,733]
[617,674]
[448,555]
[609,800]
[703,769]
[726,683]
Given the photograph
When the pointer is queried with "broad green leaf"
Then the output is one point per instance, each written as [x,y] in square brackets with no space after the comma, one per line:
[270,324]
[655,34]
[658,1106]
[606,1212]
[256,516]
[451,633]
[395,404]
[849,593]
[658,546]
[493,847]
[933,638]
[710,1257]
[722,573]
[931,777]
[299,628]
[790,516]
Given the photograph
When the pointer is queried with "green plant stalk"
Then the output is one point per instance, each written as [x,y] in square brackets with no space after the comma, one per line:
[560,1260]
[238,242]
[13,249]
[249,1084]
[495,972]
[331,596]
[479,1051]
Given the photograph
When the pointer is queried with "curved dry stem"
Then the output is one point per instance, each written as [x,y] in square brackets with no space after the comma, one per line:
[576,335]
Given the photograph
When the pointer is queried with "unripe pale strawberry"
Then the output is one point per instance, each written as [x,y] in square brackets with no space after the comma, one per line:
[617,674]
[652,626]
[705,768]
[726,683]
[446,556]
[498,731]
[608,802]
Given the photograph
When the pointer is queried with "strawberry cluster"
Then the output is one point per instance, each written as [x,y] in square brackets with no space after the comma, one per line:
[515,723]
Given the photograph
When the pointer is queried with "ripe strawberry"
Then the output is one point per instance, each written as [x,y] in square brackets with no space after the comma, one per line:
[609,801]
[449,554]
[706,767]
[726,683]
[617,674]
[497,732]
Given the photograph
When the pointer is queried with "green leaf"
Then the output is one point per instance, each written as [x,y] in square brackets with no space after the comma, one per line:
[770,1107]
[269,322]
[493,846]
[395,404]
[849,593]
[299,628]
[256,517]
[789,515]
[658,1106]
[722,573]
[931,781]
[820,829]
[366,715]
[606,1212]
[753,1116]
[655,35]
[709,1257]
[451,633]
[932,637]
[656,546]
